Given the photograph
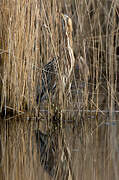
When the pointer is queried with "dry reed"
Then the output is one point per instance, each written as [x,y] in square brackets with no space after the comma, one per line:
[30,36]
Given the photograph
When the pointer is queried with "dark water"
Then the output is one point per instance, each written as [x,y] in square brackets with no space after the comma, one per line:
[92,153]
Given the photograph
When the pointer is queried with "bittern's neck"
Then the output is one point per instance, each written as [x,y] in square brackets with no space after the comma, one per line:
[68,40]
[68,63]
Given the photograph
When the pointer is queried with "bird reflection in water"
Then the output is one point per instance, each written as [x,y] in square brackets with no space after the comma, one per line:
[54,154]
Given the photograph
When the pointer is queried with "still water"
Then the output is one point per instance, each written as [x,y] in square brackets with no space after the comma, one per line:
[89,146]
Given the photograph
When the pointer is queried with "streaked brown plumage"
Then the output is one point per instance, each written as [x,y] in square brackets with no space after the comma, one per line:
[58,66]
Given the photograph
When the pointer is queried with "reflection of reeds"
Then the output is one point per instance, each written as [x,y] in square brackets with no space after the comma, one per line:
[30,35]
[90,157]
[2,176]
[0,152]
[54,154]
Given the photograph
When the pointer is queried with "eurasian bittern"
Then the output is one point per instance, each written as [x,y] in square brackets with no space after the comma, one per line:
[59,67]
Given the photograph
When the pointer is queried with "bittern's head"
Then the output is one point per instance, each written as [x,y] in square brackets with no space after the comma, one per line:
[67,25]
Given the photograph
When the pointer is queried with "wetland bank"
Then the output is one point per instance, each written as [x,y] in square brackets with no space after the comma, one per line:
[76,139]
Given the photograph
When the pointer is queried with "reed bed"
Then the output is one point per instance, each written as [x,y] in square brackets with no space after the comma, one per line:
[30,36]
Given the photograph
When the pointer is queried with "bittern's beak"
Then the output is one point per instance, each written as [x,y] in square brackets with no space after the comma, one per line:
[62,15]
